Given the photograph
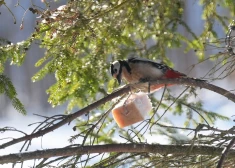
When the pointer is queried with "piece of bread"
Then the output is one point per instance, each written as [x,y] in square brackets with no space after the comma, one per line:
[132,110]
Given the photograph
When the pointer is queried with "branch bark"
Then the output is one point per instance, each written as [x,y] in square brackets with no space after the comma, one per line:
[71,117]
[225,153]
[68,119]
[130,148]
[197,83]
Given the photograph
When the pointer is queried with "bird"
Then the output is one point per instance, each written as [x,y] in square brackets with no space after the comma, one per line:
[140,70]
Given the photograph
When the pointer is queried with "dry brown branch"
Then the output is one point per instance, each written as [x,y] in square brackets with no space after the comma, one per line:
[225,153]
[130,148]
[68,119]
[197,83]
[127,88]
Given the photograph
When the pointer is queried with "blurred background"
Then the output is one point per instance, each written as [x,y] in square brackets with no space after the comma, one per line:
[34,97]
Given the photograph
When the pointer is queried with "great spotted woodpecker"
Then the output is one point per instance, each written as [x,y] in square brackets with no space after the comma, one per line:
[136,70]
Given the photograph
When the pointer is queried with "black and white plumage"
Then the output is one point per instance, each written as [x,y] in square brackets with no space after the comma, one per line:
[136,70]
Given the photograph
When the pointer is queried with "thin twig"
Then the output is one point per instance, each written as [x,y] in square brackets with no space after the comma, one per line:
[225,153]
[68,118]
[11,13]
[170,106]
[71,117]
[197,83]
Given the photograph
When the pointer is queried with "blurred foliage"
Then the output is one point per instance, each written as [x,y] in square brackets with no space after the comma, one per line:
[7,88]
[16,53]
[82,37]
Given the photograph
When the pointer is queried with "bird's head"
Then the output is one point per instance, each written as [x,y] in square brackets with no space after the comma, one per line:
[116,70]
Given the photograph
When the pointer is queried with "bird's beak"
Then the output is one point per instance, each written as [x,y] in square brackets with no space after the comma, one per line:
[119,78]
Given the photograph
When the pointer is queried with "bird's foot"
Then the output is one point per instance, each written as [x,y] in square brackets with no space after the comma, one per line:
[146,80]
[143,80]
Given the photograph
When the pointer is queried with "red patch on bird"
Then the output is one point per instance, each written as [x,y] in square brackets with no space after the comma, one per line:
[173,74]
[169,74]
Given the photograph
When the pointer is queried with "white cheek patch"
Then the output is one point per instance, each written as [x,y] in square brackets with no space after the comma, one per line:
[116,65]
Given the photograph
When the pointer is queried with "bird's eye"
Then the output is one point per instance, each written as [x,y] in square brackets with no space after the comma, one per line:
[115,70]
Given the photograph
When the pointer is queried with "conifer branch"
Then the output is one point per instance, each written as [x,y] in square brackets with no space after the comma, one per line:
[125,89]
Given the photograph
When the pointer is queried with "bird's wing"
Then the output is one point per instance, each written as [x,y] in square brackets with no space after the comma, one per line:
[169,72]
